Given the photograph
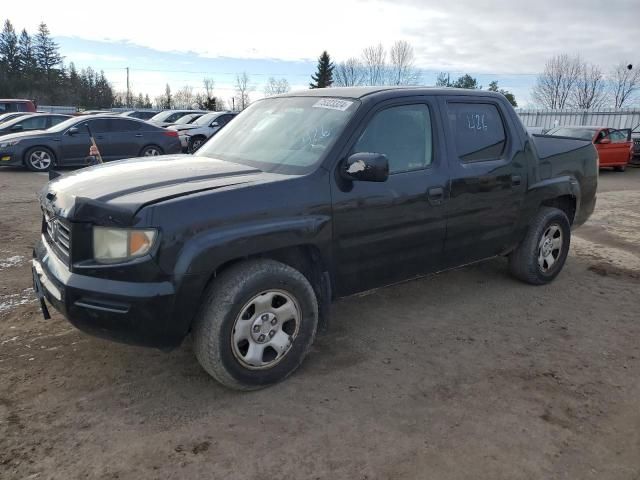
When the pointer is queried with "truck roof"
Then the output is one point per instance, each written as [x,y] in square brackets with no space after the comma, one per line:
[392,91]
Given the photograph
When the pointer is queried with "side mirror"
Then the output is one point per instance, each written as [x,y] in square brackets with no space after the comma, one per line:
[73,131]
[215,124]
[366,167]
[604,141]
[17,128]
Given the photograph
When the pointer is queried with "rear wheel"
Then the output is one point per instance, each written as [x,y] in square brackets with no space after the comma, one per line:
[543,251]
[39,159]
[151,151]
[256,324]
[620,168]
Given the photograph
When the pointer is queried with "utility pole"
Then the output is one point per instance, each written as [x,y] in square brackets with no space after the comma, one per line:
[128,91]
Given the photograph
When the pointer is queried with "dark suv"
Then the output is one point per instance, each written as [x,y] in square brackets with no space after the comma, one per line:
[299,200]
[67,144]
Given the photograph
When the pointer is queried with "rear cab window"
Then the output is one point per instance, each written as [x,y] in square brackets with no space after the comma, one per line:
[478,131]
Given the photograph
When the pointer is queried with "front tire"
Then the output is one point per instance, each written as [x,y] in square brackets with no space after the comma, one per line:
[620,168]
[539,258]
[195,143]
[39,159]
[256,324]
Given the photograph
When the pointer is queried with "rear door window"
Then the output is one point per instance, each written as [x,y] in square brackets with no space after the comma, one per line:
[34,123]
[478,131]
[125,125]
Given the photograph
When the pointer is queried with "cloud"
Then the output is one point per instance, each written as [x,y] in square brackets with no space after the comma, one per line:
[498,36]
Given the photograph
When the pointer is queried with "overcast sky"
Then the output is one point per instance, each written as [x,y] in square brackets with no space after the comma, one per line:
[180,42]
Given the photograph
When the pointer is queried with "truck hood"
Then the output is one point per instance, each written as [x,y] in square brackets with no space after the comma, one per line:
[114,192]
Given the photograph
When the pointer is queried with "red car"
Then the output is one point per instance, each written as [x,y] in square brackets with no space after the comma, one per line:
[16,105]
[614,146]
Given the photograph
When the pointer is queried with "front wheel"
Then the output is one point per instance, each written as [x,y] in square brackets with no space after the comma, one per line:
[39,159]
[620,168]
[195,143]
[539,258]
[256,324]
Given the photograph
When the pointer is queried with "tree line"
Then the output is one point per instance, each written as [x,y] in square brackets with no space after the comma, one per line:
[31,67]
[568,81]
[376,66]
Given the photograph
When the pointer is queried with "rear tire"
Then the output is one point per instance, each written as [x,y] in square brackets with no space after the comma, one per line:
[539,258]
[256,324]
[151,151]
[621,168]
[39,159]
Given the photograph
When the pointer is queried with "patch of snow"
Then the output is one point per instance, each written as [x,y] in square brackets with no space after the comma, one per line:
[11,261]
[12,300]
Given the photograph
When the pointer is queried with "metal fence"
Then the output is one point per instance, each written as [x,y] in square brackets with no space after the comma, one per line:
[620,118]
[57,109]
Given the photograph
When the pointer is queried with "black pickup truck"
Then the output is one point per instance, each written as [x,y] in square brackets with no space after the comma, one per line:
[302,199]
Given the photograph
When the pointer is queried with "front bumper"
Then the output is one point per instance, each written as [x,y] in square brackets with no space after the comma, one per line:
[9,157]
[128,312]
[184,141]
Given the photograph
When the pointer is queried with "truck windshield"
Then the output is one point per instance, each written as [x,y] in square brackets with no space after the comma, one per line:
[284,135]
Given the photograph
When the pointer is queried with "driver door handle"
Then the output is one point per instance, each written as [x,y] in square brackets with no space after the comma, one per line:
[435,195]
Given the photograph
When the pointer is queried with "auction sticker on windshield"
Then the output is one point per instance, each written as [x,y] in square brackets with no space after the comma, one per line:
[333,104]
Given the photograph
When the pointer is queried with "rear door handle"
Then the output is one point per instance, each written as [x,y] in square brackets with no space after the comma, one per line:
[138,135]
[435,195]
[516,180]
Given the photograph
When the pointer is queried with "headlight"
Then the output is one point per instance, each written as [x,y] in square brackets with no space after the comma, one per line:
[112,245]
[10,143]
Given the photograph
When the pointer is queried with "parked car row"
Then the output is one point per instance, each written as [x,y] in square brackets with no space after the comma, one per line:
[67,143]
[194,134]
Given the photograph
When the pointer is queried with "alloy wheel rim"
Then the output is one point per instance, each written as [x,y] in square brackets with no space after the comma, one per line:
[265,329]
[151,152]
[40,160]
[550,247]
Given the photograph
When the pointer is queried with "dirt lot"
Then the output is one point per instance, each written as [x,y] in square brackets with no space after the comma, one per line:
[468,374]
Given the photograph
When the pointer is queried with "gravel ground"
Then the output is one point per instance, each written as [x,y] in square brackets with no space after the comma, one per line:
[467,374]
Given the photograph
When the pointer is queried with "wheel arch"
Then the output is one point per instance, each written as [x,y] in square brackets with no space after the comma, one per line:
[306,258]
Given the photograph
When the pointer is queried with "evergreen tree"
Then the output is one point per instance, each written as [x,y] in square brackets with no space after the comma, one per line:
[47,54]
[324,76]
[28,63]
[168,99]
[493,87]
[147,101]
[466,81]
[9,53]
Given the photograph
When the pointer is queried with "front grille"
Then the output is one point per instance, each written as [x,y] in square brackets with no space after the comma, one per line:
[59,235]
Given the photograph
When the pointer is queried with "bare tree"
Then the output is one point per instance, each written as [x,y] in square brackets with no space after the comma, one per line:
[625,81]
[243,88]
[590,89]
[374,59]
[554,86]
[402,69]
[443,80]
[349,73]
[276,87]
[184,98]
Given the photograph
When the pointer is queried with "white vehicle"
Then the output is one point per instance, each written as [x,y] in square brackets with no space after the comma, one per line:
[193,135]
